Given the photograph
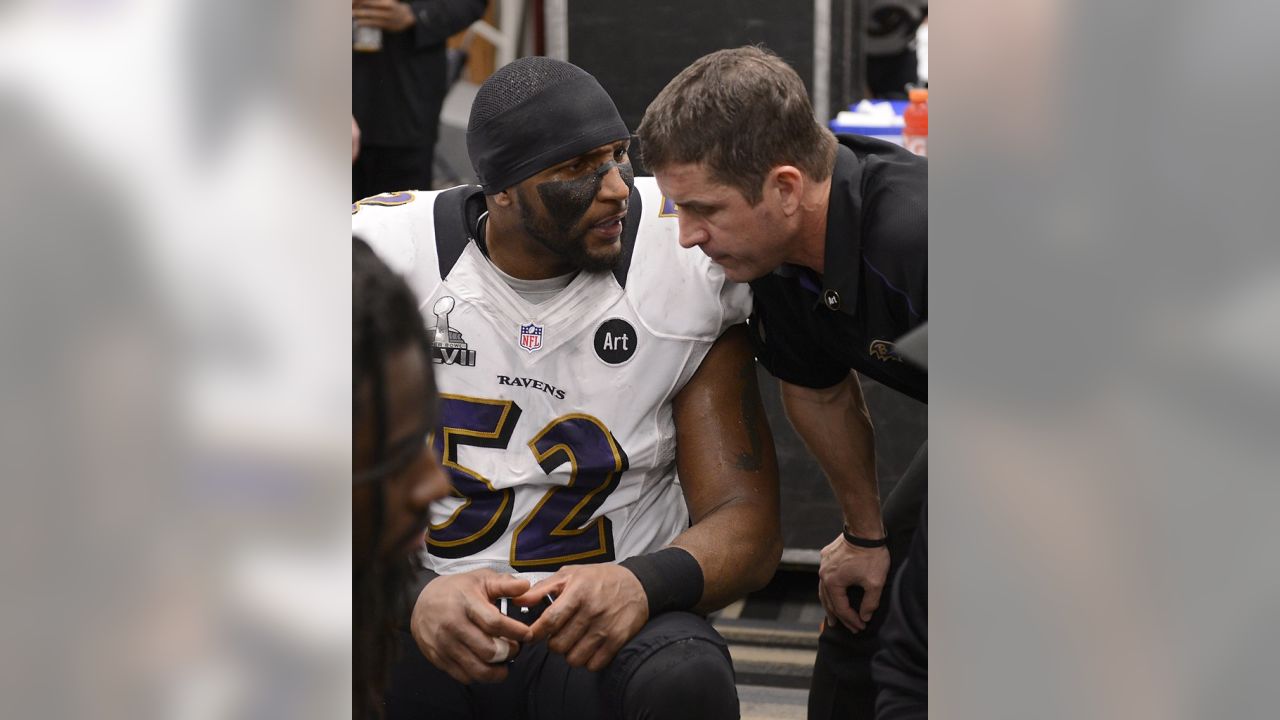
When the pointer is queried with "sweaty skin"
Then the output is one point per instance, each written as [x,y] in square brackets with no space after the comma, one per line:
[568,200]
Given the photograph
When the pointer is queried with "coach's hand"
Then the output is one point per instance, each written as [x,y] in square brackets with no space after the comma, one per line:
[598,608]
[844,566]
[458,628]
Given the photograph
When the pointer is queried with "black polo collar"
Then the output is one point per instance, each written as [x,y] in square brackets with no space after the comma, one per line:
[842,253]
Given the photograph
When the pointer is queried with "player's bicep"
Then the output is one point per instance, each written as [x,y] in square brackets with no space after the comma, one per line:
[724,448]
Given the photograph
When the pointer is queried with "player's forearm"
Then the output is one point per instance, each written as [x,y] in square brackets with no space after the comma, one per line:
[729,474]
[836,428]
[738,547]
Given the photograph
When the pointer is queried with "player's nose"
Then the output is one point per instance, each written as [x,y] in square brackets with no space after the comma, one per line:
[614,187]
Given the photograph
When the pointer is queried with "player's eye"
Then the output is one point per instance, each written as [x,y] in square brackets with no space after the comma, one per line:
[619,153]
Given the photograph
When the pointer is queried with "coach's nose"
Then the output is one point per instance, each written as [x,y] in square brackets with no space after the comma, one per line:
[692,233]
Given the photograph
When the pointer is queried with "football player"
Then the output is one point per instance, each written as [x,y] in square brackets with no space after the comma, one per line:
[395,475]
[613,472]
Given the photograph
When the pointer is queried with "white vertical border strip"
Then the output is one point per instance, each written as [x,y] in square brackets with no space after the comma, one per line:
[556,17]
[822,60]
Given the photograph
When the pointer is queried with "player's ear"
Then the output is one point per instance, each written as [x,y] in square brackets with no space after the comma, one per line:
[785,185]
[505,198]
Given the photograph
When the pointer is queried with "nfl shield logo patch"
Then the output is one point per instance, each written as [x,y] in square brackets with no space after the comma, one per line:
[531,337]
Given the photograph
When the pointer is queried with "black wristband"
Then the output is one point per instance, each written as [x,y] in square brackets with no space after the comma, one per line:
[856,541]
[671,578]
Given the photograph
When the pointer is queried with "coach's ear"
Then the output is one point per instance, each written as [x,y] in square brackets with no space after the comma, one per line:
[785,185]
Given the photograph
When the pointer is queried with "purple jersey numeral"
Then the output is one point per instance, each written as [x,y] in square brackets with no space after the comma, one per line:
[485,515]
[557,532]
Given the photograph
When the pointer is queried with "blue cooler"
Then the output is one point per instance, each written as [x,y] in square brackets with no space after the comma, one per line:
[852,122]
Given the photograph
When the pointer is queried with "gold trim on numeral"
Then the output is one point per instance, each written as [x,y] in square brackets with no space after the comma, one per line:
[381,200]
[560,530]
[449,462]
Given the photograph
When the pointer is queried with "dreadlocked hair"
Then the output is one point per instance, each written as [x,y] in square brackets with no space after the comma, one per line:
[384,321]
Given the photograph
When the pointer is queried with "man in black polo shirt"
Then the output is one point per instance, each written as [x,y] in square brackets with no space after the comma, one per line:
[832,234]
[397,92]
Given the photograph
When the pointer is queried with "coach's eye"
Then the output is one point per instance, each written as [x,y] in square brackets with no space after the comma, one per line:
[619,153]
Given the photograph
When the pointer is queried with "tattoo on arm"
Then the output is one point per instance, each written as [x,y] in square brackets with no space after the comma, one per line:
[753,459]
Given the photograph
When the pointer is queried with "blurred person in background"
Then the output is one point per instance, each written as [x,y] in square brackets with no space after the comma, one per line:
[355,140]
[396,476]
[584,357]
[832,233]
[397,91]
[891,46]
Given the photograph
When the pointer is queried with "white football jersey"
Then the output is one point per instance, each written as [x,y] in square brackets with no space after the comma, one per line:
[556,418]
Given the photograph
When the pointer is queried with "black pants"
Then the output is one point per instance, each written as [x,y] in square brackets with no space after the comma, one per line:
[901,668]
[677,667]
[389,169]
[842,686]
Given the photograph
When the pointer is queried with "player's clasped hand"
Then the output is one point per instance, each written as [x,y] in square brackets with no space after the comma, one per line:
[844,566]
[459,630]
[598,608]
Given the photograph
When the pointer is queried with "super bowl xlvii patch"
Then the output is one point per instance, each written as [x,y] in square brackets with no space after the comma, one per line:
[531,337]
[615,341]
[447,345]
[884,351]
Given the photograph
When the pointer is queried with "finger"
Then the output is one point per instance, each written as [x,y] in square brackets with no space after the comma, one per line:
[555,617]
[472,670]
[472,651]
[488,619]
[870,601]
[840,607]
[826,603]
[563,640]
[500,586]
[553,585]
[604,655]
[503,650]
[457,660]
[585,648]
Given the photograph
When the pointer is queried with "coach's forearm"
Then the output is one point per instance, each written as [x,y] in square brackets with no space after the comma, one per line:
[836,427]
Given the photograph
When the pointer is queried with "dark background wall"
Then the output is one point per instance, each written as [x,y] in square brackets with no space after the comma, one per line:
[810,516]
[634,49]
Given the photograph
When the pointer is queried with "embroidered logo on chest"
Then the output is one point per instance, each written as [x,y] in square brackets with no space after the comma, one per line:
[531,337]
[447,345]
[884,351]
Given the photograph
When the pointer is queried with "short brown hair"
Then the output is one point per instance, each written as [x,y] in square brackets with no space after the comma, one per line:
[742,112]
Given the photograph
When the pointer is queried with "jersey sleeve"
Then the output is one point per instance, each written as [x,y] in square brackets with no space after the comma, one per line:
[400,228]
[679,292]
